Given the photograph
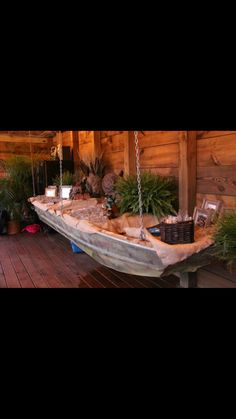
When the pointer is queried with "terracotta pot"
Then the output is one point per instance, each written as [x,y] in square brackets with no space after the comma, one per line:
[13,227]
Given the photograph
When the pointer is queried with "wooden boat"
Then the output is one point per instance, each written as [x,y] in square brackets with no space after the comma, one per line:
[119,252]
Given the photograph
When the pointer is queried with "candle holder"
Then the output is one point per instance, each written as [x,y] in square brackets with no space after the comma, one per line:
[51,192]
[65,191]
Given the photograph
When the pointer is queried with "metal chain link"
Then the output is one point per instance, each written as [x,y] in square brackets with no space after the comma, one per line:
[137,149]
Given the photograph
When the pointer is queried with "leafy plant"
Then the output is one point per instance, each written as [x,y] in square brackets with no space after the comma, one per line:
[8,200]
[159,194]
[94,172]
[18,177]
[225,239]
[96,167]
[16,186]
[67,179]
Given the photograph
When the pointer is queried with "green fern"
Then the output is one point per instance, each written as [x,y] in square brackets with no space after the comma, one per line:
[225,239]
[18,177]
[159,194]
[67,179]
[16,186]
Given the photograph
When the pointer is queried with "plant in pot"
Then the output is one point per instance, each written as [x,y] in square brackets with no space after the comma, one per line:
[159,194]
[224,248]
[8,202]
[15,189]
[94,172]
[67,179]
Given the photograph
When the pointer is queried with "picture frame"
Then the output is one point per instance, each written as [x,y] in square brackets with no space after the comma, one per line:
[214,206]
[202,217]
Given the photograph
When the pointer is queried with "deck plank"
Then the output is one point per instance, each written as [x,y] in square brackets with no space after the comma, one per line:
[47,261]
[3,283]
[59,260]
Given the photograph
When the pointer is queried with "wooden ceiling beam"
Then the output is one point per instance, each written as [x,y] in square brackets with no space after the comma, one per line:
[9,138]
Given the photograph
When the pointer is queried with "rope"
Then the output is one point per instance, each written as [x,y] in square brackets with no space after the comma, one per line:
[32,166]
[136,140]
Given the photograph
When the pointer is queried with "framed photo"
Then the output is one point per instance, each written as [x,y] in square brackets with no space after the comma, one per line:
[202,217]
[214,206]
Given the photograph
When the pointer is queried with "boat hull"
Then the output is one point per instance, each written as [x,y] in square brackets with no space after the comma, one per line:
[113,252]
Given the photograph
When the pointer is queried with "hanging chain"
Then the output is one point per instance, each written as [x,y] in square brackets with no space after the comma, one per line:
[136,139]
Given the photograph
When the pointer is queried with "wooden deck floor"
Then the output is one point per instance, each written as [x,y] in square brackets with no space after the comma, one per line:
[47,261]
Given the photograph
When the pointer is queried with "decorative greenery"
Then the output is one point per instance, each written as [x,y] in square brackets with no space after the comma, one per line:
[67,179]
[18,177]
[159,194]
[8,201]
[96,167]
[225,239]
[16,186]
[93,172]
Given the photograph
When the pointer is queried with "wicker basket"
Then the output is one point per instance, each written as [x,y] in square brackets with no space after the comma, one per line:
[179,233]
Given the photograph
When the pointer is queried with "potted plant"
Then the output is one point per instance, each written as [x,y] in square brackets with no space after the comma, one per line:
[94,172]
[8,202]
[225,239]
[159,194]
[15,189]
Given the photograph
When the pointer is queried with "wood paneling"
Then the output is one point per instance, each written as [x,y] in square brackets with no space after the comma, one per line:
[216,173]
[67,138]
[187,171]
[217,151]
[219,180]
[7,138]
[130,155]
[216,180]
[160,156]
[112,146]
[85,145]
[96,144]
[40,150]
[227,201]
[212,134]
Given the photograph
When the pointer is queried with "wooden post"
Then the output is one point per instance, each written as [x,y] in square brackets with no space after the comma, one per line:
[96,144]
[129,154]
[75,145]
[188,171]
[188,280]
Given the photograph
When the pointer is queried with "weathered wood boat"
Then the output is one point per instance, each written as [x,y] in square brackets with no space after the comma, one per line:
[119,252]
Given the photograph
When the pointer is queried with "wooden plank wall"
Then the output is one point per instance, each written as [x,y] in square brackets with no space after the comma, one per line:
[160,151]
[85,144]
[112,145]
[216,179]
